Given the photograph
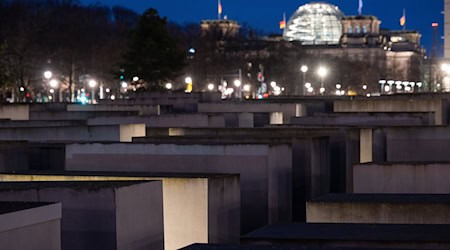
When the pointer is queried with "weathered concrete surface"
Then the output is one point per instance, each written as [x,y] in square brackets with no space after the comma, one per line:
[197,208]
[30,226]
[266,170]
[76,115]
[418,144]
[167,120]
[288,109]
[100,215]
[15,112]
[436,105]
[379,209]
[367,119]
[112,133]
[370,236]
[402,178]
[142,109]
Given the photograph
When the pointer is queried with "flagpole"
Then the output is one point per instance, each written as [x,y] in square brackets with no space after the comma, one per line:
[404,14]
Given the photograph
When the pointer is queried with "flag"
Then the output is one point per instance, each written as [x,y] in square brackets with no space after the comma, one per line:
[283,22]
[219,8]
[403,19]
[360,7]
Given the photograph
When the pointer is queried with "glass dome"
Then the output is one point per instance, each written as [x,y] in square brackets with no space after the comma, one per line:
[315,24]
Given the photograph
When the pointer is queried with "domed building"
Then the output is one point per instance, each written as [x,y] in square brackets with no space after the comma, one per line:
[315,24]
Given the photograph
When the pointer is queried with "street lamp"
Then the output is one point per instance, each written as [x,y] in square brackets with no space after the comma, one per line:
[238,84]
[322,72]
[188,81]
[303,69]
[53,84]
[92,84]
[169,86]
[211,87]
[48,75]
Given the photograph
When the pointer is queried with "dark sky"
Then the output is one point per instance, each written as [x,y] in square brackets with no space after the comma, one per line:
[265,14]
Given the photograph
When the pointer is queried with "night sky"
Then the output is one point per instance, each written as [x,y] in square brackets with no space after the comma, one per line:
[264,15]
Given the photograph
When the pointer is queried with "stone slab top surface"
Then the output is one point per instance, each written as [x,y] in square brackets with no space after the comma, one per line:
[352,232]
[123,174]
[199,246]
[9,207]
[78,185]
[384,198]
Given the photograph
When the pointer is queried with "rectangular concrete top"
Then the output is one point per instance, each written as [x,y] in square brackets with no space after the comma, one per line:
[385,198]
[352,232]
[9,207]
[120,174]
[90,185]
[199,246]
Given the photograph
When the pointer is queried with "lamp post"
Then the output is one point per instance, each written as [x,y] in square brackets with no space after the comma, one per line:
[322,72]
[238,83]
[304,69]
[92,84]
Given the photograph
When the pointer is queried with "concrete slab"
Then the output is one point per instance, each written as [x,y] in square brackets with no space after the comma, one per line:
[379,209]
[402,178]
[266,170]
[30,225]
[352,235]
[197,207]
[100,215]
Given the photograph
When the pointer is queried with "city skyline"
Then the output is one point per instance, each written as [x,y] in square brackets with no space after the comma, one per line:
[265,15]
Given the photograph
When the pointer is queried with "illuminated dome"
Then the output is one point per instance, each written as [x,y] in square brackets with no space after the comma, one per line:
[315,23]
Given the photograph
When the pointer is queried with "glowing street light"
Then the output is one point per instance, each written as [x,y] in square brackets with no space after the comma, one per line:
[322,72]
[308,85]
[338,86]
[247,87]
[135,79]
[211,87]
[124,85]
[53,84]
[237,83]
[169,86]
[92,83]
[188,81]
[48,74]
[303,69]
[273,84]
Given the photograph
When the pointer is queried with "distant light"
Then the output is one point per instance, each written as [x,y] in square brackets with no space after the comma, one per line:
[211,87]
[192,50]
[387,88]
[48,74]
[304,68]
[398,82]
[338,92]
[391,81]
[368,95]
[22,89]
[53,83]
[419,84]
[342,92]
[322,90]
[277,89]
[399,86]
[107,90]
[307,85]
[113,97]
[445,67]
[169,85]
[405,83]
[188,80]
[310,90]
[247,87]
[338,86]
[237,83]
[92,83]
[364,86]
[322,71]
[273,84]
[135,79]
[408,88]
[434,24]
[50,97]
[229,91]
[124,85]
[52,91]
